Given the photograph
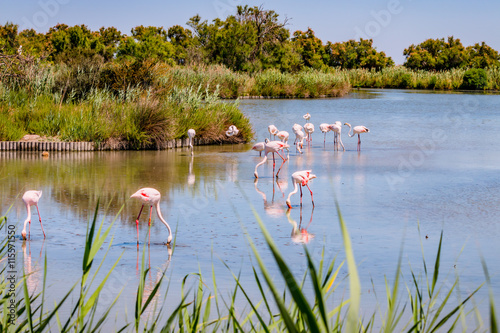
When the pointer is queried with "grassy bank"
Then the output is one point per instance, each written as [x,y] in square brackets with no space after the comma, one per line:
[401,77]
[421,305]
[141,118]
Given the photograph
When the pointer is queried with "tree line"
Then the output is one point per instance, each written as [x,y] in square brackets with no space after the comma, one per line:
[251,40]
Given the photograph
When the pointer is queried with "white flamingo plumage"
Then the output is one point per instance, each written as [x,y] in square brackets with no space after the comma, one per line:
[337,130]
[283,136]
[357,130]
[31,198]
[271,147]
[309,129]
[191,134]
[299,139]
[307,116]
[299,179]
[273,130]
[324,128]
[233,130]
[150,196]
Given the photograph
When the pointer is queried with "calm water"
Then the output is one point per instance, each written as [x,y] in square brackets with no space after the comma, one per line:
[431,162]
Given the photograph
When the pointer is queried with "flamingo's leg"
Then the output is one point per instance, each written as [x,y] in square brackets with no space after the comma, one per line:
[280,168]
[359,142]
[312,199]
[137,224]
[300,195]
[149,223]
[284,159]
[40,219]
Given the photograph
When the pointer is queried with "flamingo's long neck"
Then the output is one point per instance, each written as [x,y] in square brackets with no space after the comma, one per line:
[261,162]
[28,218]
[350,130]
[295,189]
[164,222]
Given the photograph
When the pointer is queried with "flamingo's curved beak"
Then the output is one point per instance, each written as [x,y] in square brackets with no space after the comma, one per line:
[288,204]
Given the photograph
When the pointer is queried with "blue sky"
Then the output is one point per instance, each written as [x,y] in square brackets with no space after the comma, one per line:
[392,24]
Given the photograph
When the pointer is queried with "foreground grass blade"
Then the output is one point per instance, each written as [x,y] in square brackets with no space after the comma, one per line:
[354,284]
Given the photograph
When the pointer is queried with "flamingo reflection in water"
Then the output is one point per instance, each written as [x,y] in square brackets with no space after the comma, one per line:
[299,234]
[151,284]
[273,208]
[32,271]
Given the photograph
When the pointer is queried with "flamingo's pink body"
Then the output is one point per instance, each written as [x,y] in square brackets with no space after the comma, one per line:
[307,116]
[357,130]
[299,179]
[271,147]
[150,196]
[283,136]
[31,198]
[260,146]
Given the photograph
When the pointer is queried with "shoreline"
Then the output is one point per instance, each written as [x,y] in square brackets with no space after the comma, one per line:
[41,146]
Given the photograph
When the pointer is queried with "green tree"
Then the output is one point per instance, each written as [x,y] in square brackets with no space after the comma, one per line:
[482,56]
[9,43]
[436,54]
[475,78]
[356,54]
[147,43]
[310,48]
[182,41]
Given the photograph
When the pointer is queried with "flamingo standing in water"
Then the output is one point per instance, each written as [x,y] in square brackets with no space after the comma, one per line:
[150,196]
[307,116]
[31,198]
[191,134]
[272,147]
[296,128]
[309,129]
[357,130]
[337,130]
[325,128]
[299,139]
[273,130]
[260,146]
[299,179]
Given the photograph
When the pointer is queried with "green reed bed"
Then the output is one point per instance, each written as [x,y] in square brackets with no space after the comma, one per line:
[268,83]
[401,77]
[425,308]
[140,118]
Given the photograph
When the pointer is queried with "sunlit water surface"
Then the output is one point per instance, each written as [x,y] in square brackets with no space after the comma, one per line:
[430,163]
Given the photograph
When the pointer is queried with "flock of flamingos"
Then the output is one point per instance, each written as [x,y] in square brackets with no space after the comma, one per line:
[151,197]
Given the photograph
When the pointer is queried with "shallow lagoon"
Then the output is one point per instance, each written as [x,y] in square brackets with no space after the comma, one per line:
[431,162]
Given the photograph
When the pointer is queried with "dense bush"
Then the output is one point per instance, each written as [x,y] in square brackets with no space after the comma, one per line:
[475,78]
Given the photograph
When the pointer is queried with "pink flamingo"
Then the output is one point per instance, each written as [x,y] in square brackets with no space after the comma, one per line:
[299,179]
[357,130]
[309,129]
[151,197]
[31,198]
[260,146]
[307,116]
[272,147]
[273,130]
[325,128]
[337,130]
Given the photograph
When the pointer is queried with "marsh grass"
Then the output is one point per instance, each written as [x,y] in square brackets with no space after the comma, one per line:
[401,77]
[427,308]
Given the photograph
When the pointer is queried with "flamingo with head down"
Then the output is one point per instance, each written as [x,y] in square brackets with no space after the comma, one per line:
[299,179]
[31,198]
[337,130]
[150,196]
[272,147]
